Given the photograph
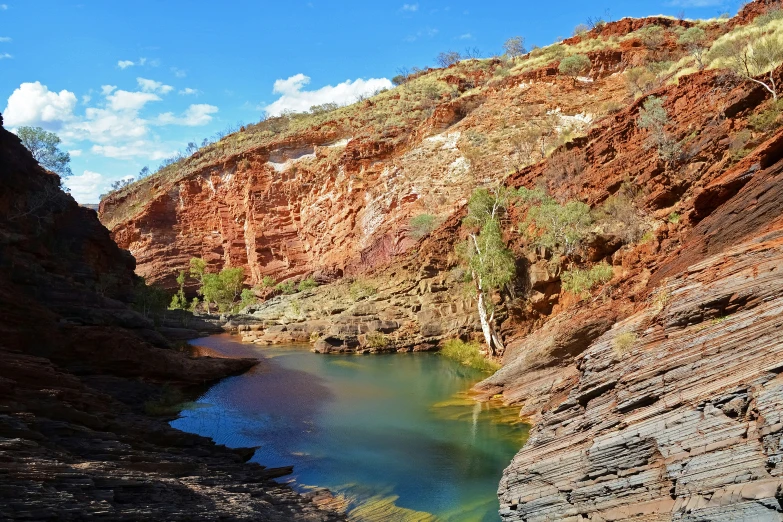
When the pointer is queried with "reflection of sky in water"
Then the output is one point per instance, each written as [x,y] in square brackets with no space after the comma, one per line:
[380,424]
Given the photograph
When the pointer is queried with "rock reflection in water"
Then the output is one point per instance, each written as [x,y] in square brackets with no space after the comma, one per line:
[396,435]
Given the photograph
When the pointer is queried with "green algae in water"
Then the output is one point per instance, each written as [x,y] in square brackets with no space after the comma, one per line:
[396,435]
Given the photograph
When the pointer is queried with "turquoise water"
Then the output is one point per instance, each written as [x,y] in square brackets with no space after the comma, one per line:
[396,435]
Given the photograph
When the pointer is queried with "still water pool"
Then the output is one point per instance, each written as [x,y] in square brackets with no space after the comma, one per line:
[396,435]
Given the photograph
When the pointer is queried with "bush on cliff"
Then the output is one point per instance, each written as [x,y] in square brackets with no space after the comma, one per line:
[490,263]
[286,287]
[468,354]
[580,282]
[558,227]
[149,300]
[574,65]
[361,289]
[307,284]
[654,118]
[422,225]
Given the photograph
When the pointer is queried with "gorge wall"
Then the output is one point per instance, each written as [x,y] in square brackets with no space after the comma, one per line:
[655,397]
[78,366]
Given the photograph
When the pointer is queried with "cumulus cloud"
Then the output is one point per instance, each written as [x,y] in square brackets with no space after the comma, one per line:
[195,115]
[179,73]
[130,100]
[5,39]
[153,86]
[114,126]
[294,98]
[3,7]
[187,91]
[124,64]
[35,105]
[412,8]
[5,56]
[87,187]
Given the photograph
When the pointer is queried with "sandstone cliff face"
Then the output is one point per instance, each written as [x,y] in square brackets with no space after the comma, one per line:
[77,368]
[335,203]
[656,398]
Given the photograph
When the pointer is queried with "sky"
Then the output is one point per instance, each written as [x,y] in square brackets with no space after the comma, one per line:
[127,84]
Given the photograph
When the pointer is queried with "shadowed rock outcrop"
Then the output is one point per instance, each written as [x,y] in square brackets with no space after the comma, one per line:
[77,366]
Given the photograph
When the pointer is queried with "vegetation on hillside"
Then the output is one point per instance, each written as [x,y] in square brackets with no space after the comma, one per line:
[45,148]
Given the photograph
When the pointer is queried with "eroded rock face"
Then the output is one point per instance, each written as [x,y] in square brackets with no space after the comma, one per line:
[676,410]
[78,365]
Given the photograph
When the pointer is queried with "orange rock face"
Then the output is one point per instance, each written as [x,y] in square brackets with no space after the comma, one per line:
[655,396]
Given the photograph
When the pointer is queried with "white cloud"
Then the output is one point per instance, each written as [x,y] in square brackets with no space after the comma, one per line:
[412,8]
[34,104]
[106,126]
[124,64]
[466,36]
[113,127]
[293,98]
[87,187]
[5,39]
[187,91]
[130,101]
[153,86]
[196,115]
[3,7]
[5,56]
[179,73]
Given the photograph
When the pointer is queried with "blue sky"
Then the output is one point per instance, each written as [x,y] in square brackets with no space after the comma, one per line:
[126,84]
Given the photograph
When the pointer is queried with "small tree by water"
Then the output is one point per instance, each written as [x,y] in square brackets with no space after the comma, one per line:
[491,264]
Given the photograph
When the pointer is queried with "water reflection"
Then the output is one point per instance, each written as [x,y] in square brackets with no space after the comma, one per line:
[395,434]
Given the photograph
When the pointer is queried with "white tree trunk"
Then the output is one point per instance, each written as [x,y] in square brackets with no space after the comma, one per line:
[486,328]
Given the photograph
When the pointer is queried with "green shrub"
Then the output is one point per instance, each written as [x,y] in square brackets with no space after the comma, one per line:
[654,117]
[268,282]
[377,340]
[769,118]
[286,287]
[581,282]
[468,354]
[423,225]
[295,308]
[361,289]
[652,37]
[307,284]
[674,217]
[561,228]
[247,298]
[574,65]
[623,343]
[149,300]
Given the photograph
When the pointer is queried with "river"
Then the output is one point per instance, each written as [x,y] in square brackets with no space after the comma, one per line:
[396,435]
